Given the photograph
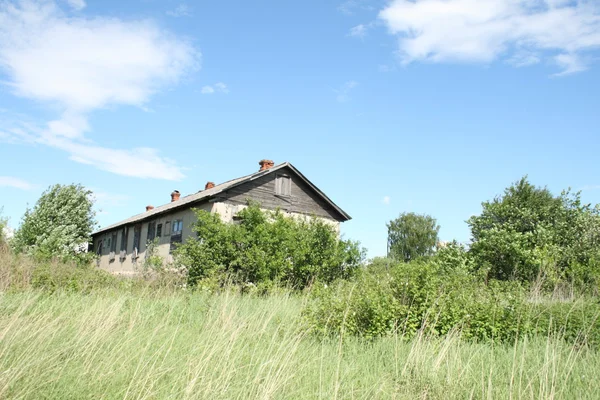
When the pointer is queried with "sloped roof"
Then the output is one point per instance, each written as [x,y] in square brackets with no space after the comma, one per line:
[210,193]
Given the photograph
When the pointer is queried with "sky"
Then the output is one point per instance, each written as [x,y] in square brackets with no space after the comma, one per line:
[426,106]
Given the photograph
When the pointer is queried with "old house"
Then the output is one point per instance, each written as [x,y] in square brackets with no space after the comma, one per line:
[121,247]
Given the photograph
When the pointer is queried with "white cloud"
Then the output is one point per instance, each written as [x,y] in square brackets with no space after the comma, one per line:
[343,93]
[484,30]
[350,7]
[102,198]
[386,200]
[80,64]
[219,87]
[359,31]
[77,4]
[589,187]
[9,181]
[182,10]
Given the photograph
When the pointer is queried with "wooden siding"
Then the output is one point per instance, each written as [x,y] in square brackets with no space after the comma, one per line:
[303,199]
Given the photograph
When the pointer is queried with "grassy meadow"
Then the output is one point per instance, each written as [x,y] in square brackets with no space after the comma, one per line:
[142,340]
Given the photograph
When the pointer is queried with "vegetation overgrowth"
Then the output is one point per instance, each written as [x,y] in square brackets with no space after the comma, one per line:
[112,337]
[279,307]
[267,249]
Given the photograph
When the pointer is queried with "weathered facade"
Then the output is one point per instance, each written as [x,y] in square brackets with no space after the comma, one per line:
[122,247]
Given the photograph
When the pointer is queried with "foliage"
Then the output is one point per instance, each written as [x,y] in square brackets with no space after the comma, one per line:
[3,229]
[267,247]
[454,255]
[53,276]
[197,346]
[427,297]
[59,225]
[411,236]
[527,228]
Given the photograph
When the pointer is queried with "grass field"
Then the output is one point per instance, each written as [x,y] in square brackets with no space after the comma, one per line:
[153,344]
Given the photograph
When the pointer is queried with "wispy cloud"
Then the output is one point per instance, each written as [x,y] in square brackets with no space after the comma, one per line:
[182,10]
[481,31]
[343,93]
[218,87]
[589,187]
[77,4]
[359,31]
[81,64]
[350,7]
[10,181]
[386,200]
[103,198]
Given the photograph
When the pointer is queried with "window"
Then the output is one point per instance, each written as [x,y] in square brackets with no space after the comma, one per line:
[137,232]
[151,231]
[167,228]
[113,242]
[159,230]
[175,240]
[99,249]
[124,235]
[177,227]
[283,185]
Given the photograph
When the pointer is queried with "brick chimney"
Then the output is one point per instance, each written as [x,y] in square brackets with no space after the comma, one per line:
[209,185]
[265,164]
[175,195]
[149,208]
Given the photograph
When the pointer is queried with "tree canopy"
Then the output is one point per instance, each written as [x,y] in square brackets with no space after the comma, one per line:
[267,247]
[411,236]
[59,225]
[528,228]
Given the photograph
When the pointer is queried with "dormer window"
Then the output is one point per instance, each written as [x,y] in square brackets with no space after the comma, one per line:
[283,185]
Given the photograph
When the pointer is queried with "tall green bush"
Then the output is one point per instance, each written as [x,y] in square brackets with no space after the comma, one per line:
[412,236]
[267,248]
[528,232]
[408,298]
[59,226]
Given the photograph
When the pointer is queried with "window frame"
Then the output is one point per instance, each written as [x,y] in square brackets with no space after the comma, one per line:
[283,185]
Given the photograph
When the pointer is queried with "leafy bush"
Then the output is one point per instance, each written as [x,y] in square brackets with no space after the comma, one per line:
[59,226]
[54,276]
[426,296]
[266,248]
[411,236]
[528,232]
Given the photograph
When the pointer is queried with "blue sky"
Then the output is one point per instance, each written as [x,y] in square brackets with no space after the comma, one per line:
[431,106]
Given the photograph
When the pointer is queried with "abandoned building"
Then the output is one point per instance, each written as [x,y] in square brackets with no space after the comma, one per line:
[121,247]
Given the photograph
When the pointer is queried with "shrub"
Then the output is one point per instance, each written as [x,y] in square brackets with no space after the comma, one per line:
[267,248]
[59,226]
[52,276]
[528,228]
[424,296]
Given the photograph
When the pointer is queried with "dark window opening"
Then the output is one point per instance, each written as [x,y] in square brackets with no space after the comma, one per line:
[175,240]
[159,230]
[151,231]
[124,234]
[137,233]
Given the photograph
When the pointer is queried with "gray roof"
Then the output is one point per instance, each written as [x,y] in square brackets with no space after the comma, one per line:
[210,193]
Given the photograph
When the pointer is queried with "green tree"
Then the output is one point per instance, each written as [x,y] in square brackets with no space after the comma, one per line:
[267,248]
[3,229]
[60,224]
[528,229]
[411,236]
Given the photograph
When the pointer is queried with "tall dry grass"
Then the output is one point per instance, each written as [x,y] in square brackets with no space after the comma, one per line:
[113,342]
